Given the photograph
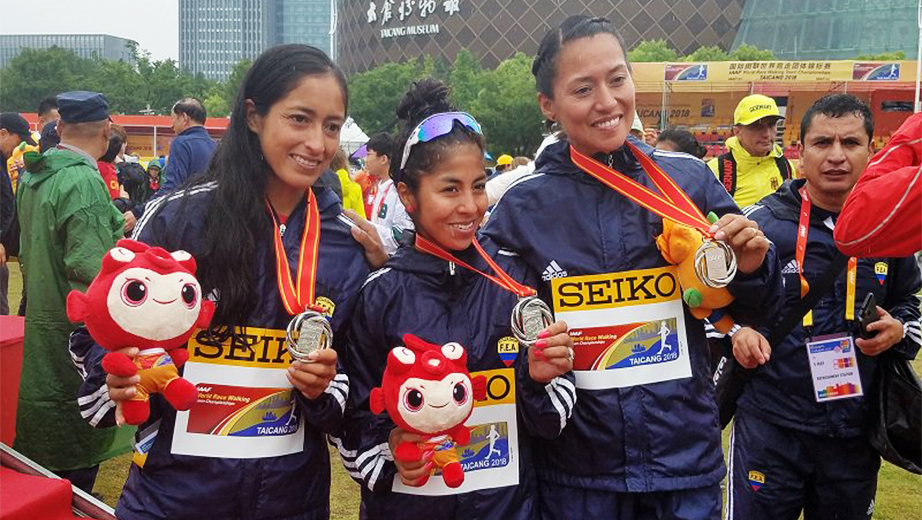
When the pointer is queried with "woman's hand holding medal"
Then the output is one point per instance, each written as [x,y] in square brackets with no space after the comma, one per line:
[312,378]
[552,354]
[745,238]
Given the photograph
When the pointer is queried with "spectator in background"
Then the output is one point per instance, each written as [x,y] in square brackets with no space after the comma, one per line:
[676,140]
[47,112]
[49,138]
[503,164]
[192,147]
[387,212]
[352,192]
[755,166]
[13,130]
[106,163]
[152,183]
[68,223]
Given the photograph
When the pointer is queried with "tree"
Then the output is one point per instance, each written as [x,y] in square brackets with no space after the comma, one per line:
[235,79]
[509,112]
[215,104]
[652,50]
[747,52]
[709,53]
[886,56]
[374,95]
[37,73]
[466,80]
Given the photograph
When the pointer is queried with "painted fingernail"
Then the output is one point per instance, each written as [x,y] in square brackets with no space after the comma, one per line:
[541,343]
[543,334]
[713,228]
[539,355]
[429,466]
[720,235]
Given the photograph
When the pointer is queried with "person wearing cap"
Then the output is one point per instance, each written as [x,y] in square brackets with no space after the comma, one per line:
[755,165]
[503,164]
[14,130]
[68,223]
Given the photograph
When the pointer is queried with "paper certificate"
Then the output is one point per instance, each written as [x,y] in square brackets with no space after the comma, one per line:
[246,407]
[628,328]
[834,367]
[491,460]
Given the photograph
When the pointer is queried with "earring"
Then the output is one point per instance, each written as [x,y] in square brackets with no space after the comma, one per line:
[411,208]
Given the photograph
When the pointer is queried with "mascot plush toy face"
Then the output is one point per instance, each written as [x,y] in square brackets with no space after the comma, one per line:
[143,297]
[437,392]
[428,390]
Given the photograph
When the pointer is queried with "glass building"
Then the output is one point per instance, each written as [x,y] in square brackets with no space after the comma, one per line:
[84,45]
[214,35]
[830,29]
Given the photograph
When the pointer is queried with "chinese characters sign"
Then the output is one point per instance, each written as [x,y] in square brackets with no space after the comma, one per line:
[384,11]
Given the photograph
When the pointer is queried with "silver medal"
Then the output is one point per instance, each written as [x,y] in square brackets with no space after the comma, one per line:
[715,264]
[529,317]
[308,332]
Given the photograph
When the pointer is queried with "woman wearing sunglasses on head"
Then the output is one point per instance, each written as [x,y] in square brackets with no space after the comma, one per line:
[644,440]
[446,289]
[272,249]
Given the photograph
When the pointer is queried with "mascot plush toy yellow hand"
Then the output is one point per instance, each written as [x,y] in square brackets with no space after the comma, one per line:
[678,244]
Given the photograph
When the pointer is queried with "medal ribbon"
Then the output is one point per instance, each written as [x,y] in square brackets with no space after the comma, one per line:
[300,298]
[501,278]
[803,228]
[672,203]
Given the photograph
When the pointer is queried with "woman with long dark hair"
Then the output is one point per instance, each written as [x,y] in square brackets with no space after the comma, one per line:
[253,445]
[644,440]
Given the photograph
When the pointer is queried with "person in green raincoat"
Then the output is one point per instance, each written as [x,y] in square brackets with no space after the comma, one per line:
[68,223]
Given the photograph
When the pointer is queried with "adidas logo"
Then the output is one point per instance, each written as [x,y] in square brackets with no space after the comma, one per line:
[552,271]
[790,268]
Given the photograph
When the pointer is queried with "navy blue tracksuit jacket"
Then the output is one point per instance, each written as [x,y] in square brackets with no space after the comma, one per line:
[423,295]
[562,222]
[288,487]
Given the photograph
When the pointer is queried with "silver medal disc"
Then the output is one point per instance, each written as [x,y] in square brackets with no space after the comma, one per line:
[715,264]
[529,317]
[306,333]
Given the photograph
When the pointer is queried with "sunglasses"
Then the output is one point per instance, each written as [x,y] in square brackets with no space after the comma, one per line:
[436,126]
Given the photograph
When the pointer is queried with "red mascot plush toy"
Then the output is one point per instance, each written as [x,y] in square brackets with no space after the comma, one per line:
[148,298]
[428,390]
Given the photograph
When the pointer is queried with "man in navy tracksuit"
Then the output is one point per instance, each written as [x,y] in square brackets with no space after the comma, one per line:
[651,443]
[799,439]
[265,469]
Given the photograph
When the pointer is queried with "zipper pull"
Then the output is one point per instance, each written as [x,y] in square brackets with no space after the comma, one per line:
[282,229]
[451,268]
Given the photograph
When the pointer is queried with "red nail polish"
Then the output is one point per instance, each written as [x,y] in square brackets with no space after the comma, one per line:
[541,343]
[543,334]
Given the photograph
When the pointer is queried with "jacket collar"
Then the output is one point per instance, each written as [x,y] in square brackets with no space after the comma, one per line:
[555,160]
[741,154]
[197,129]
[785,204]
[408,258]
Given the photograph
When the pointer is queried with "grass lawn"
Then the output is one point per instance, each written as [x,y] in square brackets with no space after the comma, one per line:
[899,493]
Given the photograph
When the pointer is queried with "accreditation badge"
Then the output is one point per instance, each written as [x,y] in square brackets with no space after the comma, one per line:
[628,328]
[491,460]
[246,407]
[834,368]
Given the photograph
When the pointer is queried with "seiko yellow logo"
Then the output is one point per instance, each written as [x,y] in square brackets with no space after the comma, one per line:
[326,305]
[606,291]
[258,348]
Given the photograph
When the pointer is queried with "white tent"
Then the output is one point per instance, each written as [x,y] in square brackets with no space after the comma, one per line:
[351,137]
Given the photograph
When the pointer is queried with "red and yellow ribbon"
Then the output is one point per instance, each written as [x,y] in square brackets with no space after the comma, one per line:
[297,299]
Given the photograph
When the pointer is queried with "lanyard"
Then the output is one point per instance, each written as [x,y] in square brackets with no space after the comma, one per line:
[671,202]
[501,278]
[300,298]
[803,228]
[377,207]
